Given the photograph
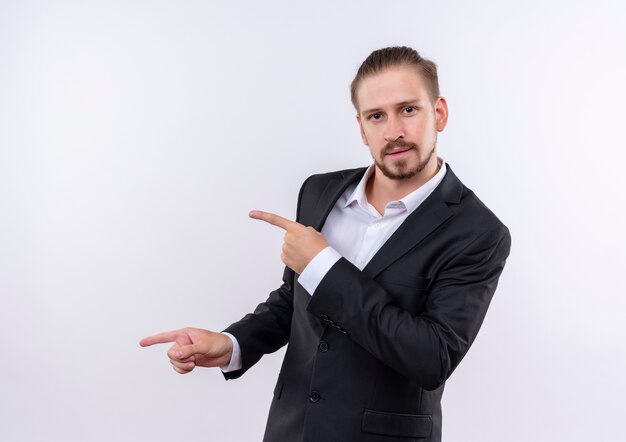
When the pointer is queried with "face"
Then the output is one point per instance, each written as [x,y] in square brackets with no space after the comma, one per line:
[399,122]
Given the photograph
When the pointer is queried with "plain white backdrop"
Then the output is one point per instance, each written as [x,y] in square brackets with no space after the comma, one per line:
[135,136]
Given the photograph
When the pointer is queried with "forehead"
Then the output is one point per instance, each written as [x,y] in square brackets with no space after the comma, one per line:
[394,85]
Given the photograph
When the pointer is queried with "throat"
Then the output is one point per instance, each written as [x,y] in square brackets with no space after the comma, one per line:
[381,190]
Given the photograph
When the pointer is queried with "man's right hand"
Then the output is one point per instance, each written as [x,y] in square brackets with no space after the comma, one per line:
[194,347]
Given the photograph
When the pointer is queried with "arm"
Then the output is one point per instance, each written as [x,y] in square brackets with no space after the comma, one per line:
[428,347]
[266,329]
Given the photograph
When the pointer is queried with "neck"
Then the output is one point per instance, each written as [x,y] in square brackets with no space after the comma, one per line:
[380,190]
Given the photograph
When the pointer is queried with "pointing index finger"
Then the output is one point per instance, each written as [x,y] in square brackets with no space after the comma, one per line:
[160,338]
[273,219]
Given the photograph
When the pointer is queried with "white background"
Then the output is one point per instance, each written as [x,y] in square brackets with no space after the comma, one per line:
[136,135]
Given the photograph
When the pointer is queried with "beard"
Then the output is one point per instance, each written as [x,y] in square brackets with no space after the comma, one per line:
[400,169]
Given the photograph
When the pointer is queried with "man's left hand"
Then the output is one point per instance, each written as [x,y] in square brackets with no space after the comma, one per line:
[300,244]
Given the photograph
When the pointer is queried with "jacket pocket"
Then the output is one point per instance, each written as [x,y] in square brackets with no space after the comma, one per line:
[278,389]
[397,424]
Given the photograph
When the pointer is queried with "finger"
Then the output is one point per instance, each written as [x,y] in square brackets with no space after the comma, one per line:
[183,365]
[181,370]
[160,338]
[174,353]
[273,219]
[183,352]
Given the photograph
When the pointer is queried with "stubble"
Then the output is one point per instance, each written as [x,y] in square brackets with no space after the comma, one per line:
[399,169]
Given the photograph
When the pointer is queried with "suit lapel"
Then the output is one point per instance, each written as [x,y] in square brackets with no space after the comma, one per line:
[418,225]
[433,212]
[331,193]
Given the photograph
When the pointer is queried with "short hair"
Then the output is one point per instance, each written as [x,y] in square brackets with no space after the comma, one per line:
[396,56]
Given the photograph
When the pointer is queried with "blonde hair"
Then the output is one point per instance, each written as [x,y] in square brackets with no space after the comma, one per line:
[395,56]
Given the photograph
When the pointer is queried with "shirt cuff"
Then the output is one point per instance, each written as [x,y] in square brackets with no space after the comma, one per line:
[235,358]
[317,268]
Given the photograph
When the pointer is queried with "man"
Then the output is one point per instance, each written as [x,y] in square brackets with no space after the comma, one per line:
[389,273]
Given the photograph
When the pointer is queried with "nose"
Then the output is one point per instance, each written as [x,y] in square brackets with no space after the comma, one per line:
[393,129]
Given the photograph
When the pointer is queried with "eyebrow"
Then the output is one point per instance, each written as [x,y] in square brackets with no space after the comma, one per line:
[416,101]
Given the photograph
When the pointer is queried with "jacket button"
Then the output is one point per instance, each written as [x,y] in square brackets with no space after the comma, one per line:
[324,346]
[314,396]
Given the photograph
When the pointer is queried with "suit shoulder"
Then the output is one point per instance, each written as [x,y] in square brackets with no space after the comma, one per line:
[476,216]
[471,211]
[336,174]
[321,179]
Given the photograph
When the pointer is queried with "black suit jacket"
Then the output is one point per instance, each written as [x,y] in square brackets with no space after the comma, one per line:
[369,353]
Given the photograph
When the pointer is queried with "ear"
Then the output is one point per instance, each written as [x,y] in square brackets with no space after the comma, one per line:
[441,114]
[363,137]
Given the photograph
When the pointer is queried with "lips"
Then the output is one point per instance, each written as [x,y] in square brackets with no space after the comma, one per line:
[399,151]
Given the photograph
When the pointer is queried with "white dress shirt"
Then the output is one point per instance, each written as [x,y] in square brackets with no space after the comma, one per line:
[356,231]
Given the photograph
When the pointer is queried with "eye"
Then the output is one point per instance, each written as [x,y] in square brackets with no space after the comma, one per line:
[409,109]
[377,116]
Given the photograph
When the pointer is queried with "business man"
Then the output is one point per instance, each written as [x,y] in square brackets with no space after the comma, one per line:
[389,273]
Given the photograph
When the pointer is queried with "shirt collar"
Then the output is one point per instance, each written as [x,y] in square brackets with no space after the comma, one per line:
[410,201]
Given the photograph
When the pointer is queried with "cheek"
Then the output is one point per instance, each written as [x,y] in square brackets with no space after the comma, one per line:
[376,152]
[374,136]
[426,130]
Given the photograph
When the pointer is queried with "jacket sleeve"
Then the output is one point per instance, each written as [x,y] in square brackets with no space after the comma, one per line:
[267,328]
[428,347]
